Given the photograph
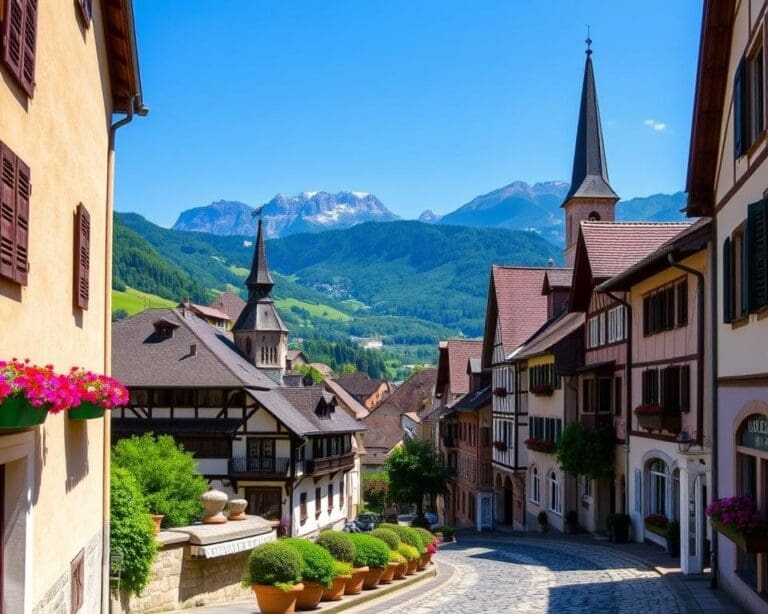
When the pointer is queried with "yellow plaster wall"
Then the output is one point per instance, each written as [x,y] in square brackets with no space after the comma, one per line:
[62,134]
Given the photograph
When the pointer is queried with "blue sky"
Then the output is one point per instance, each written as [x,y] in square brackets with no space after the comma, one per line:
[424,103]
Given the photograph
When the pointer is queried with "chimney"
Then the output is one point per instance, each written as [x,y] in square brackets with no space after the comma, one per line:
[193,349]
[551,263]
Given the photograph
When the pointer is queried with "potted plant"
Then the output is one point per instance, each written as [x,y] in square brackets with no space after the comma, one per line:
[372,553]
[737,519]
[411,555]
[571,521]
[543,390]
[274,574]
[543,521]
[342,548]
[96,393]
[618,525]
[540,445]
[396,560]
[26,394]
[501,446]
[447,533]
[656,523]
[499,391]
[673,538]
[316,572]
[341,573]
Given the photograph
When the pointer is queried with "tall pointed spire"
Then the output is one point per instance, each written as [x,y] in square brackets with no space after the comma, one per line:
[590,170]
[259,281]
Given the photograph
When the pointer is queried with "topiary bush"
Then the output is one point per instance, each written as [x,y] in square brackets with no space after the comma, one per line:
[166,474]
[426,536]
[369,551]
[130,531]
[388,536]
[409,535]
[338,544]
[447,531]
[317,562]
[274,564]
[396,557]
[409,552]
[341,570]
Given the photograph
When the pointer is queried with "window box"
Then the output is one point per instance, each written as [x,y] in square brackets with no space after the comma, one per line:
[86,411]
[17,413]
[737,519]
[748,542]
[500,392]
[540,445]
[657,418]
[542,390]
[656,523]
[501,446]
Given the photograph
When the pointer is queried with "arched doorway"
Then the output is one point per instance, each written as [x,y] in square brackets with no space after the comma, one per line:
[509,501]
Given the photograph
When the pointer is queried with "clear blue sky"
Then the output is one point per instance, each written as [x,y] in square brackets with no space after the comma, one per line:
[424,103]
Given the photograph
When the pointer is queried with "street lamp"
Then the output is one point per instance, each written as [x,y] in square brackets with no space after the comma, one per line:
[684,441]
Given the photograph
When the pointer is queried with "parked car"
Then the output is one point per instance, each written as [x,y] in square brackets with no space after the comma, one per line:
[367,522]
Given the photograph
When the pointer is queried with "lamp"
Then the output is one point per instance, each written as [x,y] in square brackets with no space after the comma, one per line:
[684,441]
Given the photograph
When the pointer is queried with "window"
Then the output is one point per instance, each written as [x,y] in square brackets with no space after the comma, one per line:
[302,507]
[330,498]
[748,102]
[543,375]
[19,34]
[617,389]
[205,447]
[586,487]
[341,492]
[682,303]
[318,501]
[554,494]
[604,393]
[86,11]
[593,332]
[545,429]
[617,324]
[15,188]
[588,395]
[669,387]
[757,254]
[77,582]
[535,486]
[661,312]
[657,495]
[248,346]
[82,256]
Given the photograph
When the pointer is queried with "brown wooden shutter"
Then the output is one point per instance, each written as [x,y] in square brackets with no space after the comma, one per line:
[685,388]
[29,46]
[757,235]
[739,110]
[19,41]
[7,213]
[86,11]
[682,303]
[82,256]
[23,193]
[727,282]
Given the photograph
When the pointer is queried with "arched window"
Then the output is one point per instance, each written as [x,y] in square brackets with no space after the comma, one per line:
[555,504]
[593,216]
[535,486]
[658,474]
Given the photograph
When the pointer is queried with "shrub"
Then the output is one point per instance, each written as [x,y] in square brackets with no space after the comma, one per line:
[338,544]
[581,451]
[426,536]
[341,570]
[388,536]
[447,531]
[408,552]
[130,531]
[408,535]
[317,562]
[369,551]
[396,557]
[166,474]
[275,564]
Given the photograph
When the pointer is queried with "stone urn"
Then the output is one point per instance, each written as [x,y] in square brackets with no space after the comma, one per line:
[213,503]
[237,509]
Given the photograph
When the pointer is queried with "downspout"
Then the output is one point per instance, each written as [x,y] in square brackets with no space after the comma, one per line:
[518,397]
[713,398]
[628,377]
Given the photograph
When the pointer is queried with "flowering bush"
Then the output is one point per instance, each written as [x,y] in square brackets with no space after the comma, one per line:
[500,392]
[739,513]
[649,410]
[657,520]
[98,389]
[542,389]
[540,445]
[501,446]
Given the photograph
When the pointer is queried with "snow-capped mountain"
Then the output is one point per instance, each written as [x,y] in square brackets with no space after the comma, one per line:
[430,217]
[285,215]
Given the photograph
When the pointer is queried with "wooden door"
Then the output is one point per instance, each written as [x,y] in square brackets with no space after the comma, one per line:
[265,502]
[261,454]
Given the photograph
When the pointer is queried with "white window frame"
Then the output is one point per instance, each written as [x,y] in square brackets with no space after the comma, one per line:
[617,329]
[593,331]
[535,485]
[555,495]
[586,488]
[658,488]
[602,328]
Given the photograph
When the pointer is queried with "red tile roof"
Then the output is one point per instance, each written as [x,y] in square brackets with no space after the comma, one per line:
[459,353]
[557,278]
[229,303]
[522,309]
[614,247]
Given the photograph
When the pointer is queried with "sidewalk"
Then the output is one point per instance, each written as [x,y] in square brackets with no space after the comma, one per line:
[693,591]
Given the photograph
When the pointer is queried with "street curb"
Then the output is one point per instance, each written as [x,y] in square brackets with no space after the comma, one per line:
[375,593]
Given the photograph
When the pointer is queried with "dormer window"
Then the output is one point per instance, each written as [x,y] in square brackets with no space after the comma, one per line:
[164,328]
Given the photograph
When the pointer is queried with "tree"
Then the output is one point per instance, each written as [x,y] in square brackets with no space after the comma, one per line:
[375,489]
[317,377]
[119,314]
[347,368]
[581,451]
[415,471]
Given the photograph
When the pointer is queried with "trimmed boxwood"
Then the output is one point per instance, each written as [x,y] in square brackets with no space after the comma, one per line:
[275,564]
[369,551]
[388,536]
[396,557]
[408,552]
[317,562]
[341,570]
[426,535]
[408,535]
[338,544]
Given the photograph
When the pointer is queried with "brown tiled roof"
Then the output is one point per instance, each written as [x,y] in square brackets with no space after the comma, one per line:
[410,395]
[383,431]
[613,247]
[230,303]
[346,399]
[359,383]
[546,338]
[459,353]
[140,357]
[209,312]
[557,279]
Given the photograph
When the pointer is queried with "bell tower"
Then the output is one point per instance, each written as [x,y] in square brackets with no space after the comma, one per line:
[590,196]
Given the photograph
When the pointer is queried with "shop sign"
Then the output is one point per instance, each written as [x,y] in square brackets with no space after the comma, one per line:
[755,433]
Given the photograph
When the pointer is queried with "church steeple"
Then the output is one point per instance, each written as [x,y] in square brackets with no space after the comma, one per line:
[259,281]
[590,196]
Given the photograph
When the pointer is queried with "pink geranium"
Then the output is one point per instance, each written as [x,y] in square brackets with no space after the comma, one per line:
[739,513]
[98,389]
[431,549]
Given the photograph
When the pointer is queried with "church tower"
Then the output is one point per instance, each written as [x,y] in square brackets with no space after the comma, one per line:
[260,332]
[590,196]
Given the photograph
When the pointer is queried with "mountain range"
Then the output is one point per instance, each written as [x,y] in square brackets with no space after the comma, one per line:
[517,206]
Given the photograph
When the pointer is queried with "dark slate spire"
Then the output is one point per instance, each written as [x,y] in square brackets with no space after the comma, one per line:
[259,282]
[590,170]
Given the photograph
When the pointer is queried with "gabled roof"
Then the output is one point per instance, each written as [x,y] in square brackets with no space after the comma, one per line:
[557,279]
[605,249]
[709,104]
[590,169]
[346,399]
[141,357]
[294,354]
[230,303]
[515,302]
[359,383]
[452,365]
[204,310]
[557,330]
[473,400]
[260,316]
[411,394]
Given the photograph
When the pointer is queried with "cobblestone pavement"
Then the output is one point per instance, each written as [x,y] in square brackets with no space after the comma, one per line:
[525,575]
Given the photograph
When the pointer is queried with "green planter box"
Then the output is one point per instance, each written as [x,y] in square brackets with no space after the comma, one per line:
[660,531]
[86,411]
[17,413]
[748,542]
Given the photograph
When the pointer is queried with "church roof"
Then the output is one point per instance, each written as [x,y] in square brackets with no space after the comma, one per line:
[261,316]
[259,271]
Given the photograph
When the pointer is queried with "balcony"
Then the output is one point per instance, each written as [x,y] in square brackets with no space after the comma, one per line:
[259,466]
[596,422]
[658,418]
[331,464]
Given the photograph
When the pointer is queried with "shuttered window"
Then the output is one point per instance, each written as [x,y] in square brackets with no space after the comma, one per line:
[757,240]
[650,387]
[82,256]
[739,111]
[86,11]
[14,216]
[682,303]
[727,282]
[19,39]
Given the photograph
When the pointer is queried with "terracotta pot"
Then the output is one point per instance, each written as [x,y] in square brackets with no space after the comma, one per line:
[389,573]
[273,600]
[401,570]
[236,509]
[157,519]
[373,577]
[412,567]
[354,584]
[309,596]
[422,562]
[336,591]
[213,503]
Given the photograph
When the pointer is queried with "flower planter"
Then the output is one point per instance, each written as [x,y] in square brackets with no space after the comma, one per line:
[655,418]
[273,600]
[652,528]
[412,566]
[373,577]
[542,390]
[422,562]
[309,596]
[752,543]
[17,413]
[86,411]
[213,502]
[400,571]
[389,573]
[157,521]
[620,533]
[354,584]
[335,591]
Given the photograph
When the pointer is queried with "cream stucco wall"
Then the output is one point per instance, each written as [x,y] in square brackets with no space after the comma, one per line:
[62,134]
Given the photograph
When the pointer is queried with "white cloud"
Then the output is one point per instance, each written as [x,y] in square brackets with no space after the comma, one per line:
[655,125]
